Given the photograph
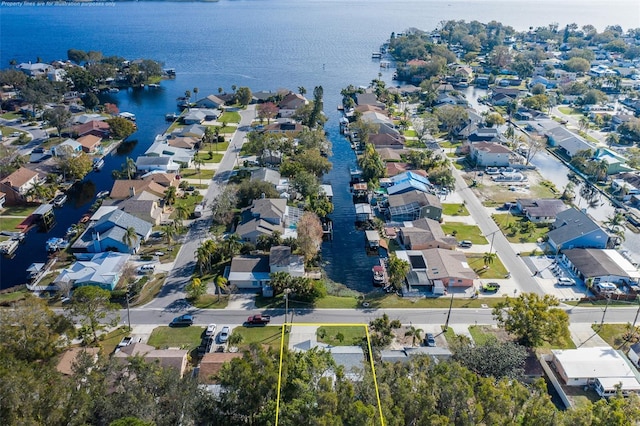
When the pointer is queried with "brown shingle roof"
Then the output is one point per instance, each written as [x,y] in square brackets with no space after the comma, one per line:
[122,188]
[212,363]
[19,177]
[68,358]
[89,141]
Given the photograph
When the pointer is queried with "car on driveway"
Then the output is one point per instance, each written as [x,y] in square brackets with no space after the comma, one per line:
[465,244]
[182,321]
[491,287]
[564,281]
[211,330]
[430,340]
[224,334]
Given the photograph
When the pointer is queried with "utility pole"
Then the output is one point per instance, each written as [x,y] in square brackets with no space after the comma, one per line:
[286,308]
[446,324]
[605,310]
[128,313]
[633,327]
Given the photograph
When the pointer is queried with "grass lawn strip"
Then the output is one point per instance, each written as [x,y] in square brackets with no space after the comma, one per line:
[10,223]
[341,335]
[194,174]
[110,340]
[494,270]
[229,117]
[210,301]
[181,337]
[454,209]
[617,335]
[481,334]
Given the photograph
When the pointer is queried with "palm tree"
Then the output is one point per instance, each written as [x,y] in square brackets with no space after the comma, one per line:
[415,333]
[615,222]
[37,191]
[203,260]
[181,213]
[488,259]
[187,97]
[232,245]
[130,237]
[302,90]
[198,162]
[195,92]
[398,270]
[583,123]
[169,233]
[612,139]
[130,167]
[170,195]
[221,284]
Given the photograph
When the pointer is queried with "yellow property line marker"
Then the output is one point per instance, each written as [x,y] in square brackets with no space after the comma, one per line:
[373,369]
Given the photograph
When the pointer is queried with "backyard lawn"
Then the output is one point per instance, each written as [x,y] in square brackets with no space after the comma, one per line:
[179,337]
[341,335]
[462,231]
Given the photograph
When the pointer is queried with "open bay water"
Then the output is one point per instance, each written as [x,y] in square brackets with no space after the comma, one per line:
[262,44]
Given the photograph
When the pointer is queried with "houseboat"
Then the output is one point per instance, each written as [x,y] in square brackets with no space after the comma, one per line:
[60,200]
[98,164]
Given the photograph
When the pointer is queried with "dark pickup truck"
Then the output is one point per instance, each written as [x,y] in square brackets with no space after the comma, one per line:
[258,319]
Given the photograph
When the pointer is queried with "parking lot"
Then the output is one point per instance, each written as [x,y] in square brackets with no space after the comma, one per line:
[547,272]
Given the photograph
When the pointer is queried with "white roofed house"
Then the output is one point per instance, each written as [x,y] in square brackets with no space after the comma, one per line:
[103,270]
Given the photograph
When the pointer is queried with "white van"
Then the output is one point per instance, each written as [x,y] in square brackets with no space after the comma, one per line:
[605,288]
[147,268]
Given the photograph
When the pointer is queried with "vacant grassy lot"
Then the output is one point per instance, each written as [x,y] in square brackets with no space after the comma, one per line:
[194,174]
[19,210]
[341,336]
[569,111]
[267,336]
[451,209]
[513,227]
[229,117]
[481,334]
[462,231]
[495,269]
[180,337]
[206,158]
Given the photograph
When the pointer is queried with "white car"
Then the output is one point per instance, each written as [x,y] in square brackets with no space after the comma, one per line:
[224,334]
[211,330]
[566,281]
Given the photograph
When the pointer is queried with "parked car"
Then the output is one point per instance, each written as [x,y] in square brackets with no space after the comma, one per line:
[211,330]
[566,281]
[492,287]
[430,340]
[465,244]
[224,334]
[158,253]
[259,319]
[147,268]
[182,321]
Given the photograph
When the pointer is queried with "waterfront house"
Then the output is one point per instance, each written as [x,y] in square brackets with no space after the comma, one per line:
[249,272]
[597,265]
[123,188]
[409,181]
[94,127]
[286,127]
[393,169]
[167,358]
[210,102]
[266,216]
[144,205]
[384,122]
[616,163]
[264,174]
[370,99]
[425,234]
[437,269]
[390,154]
[387,140]
[281,260]
[85,118]
[162,178]
[490,154]
[575,229]
[290,104]
[90,143]
[629,182]
[194,116]
[541,210]
[184,142]
[17,185]
[414,205]
[569,143]
[161,148]
[604,368]
[37,69]
[194,130]
[484,134]
[102,270]
[108,234]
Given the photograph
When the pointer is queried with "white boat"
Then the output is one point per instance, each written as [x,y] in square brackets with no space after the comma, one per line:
[102,194]
[55,244]
[114,90]
[60,200]
[98,164]
[153,86]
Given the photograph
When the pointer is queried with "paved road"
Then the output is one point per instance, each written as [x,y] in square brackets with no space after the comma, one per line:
[324,316]
[500,245]
[38,135]
[172,295]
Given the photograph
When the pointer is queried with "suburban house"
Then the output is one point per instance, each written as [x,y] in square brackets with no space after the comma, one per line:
[409,181]
[281,260]
[103,270]
[575,229]
[387,140]
[194,130]
[210,102]
[569,143]
[369,98]
[596,265]
[634,354]
[37,69]
[90,143]
[123,188]
[185,142]
[425,234]
[414,205]
[144,205]
[68,148]
[164,179]
[249,272]
[290,104]
[161,148]
[616,163]
[194,116]
[108,233]
[437,269]
[17,185]
[265,216]
[390,154]
[604,368]
[490,154]
[146,163]
[629,183]
[394,169]
[381,119]
[264,174]
[288,128]
[541,210]
[70,358]
[95,127]
[212,363]
[166,358]
[436,353]
[350,358]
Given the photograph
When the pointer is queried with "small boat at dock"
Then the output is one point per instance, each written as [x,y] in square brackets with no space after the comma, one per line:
[380,278]
[98,164]
[60,200]
[8,247]
[55,244]
[171,116]
[102,194]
